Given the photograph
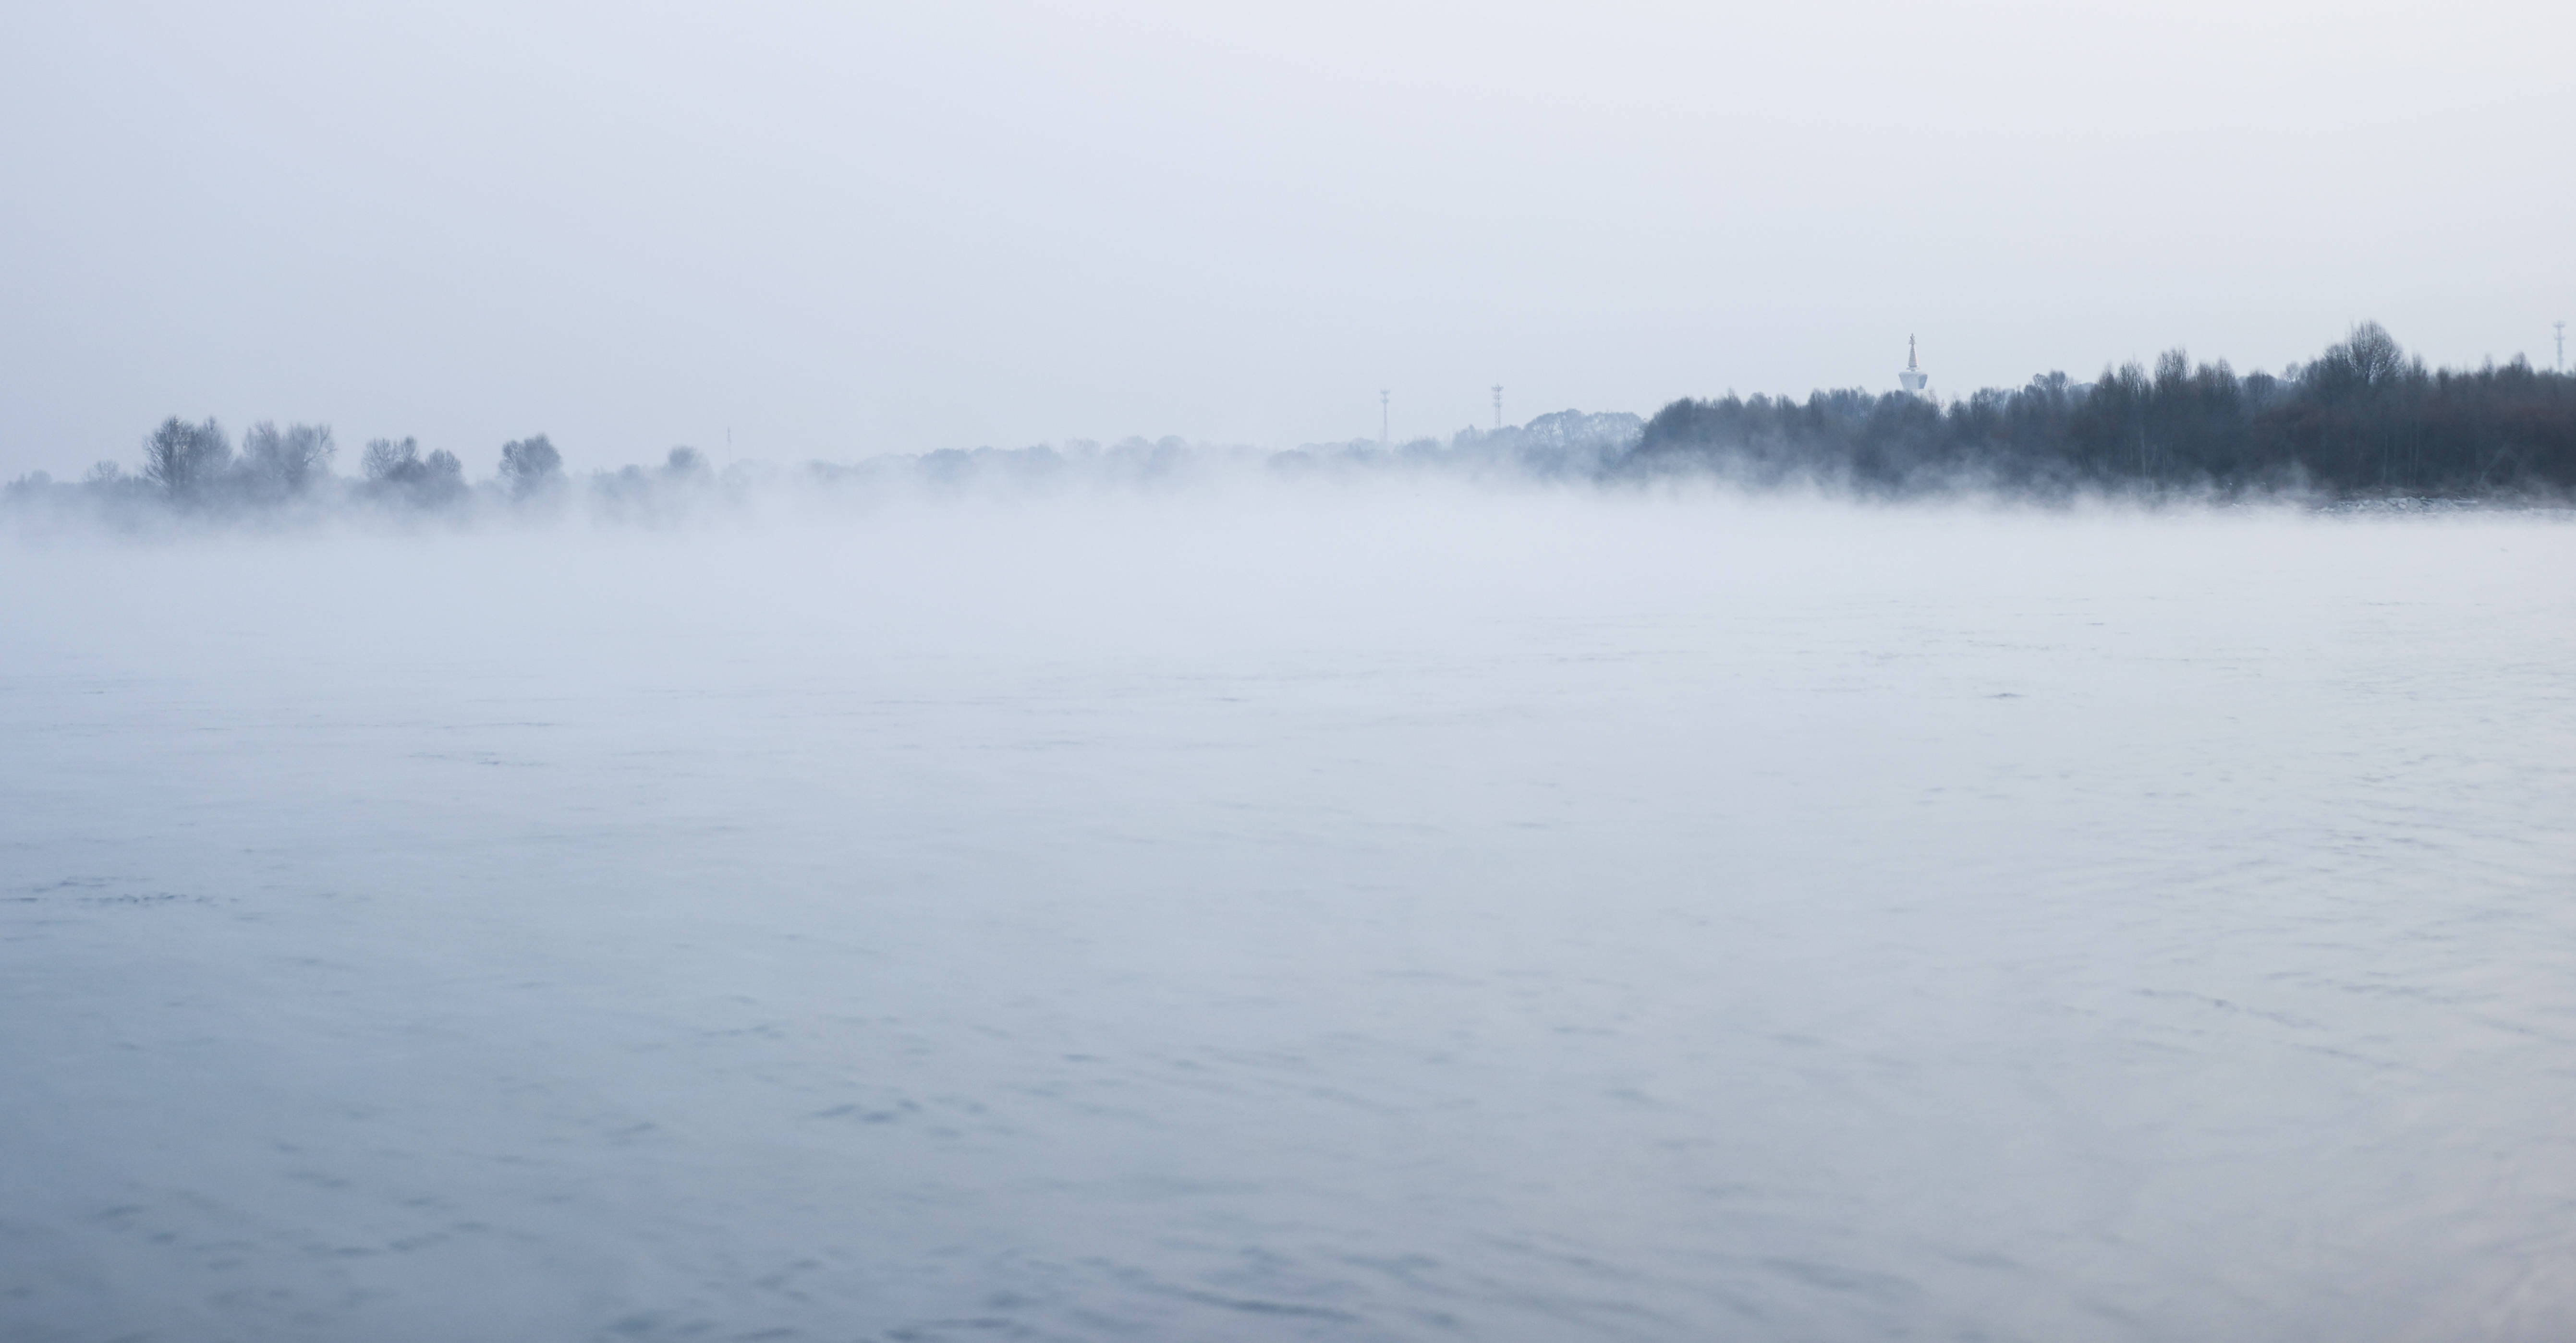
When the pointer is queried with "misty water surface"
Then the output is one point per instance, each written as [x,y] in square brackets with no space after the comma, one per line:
[1358,914]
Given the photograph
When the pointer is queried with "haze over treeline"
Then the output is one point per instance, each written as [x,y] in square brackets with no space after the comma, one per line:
[2362,420]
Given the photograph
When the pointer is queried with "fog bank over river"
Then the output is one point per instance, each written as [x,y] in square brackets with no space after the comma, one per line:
[1376,910]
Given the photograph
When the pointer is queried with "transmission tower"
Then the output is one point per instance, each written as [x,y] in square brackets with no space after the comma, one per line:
[2562,347]
[1498,402]
[1384,416]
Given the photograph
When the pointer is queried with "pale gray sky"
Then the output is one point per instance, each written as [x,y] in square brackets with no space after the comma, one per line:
[848,229]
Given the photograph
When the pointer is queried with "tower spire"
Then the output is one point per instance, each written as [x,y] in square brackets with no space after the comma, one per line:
[1909,354]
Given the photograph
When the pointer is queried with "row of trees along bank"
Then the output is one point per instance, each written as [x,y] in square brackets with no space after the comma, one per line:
[2363,419]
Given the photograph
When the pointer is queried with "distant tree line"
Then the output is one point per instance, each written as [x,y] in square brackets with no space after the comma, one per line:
[2364,419]
[191,469]
[194,467]
[1564,445]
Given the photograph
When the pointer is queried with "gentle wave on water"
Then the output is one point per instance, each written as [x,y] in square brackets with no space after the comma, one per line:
[1349,916]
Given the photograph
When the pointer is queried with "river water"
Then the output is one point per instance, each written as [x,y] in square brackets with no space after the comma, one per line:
[1368,913]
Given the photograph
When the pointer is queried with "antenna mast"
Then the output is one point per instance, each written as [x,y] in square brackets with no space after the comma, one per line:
[2562,347]
[1384,416]
[1498,397]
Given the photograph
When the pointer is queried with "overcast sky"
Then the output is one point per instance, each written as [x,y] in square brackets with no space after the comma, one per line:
[837,230]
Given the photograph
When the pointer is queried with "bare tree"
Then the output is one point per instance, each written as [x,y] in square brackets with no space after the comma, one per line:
[286,462]
[186,459]
[2366,361]
[530,464]
[386,460]
[398,471]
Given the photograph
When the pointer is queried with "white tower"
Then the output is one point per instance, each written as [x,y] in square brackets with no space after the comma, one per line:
[1913,379]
